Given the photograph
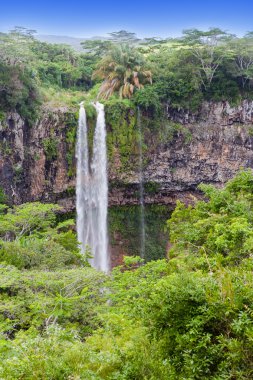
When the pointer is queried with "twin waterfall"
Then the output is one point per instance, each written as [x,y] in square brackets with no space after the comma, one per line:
[92,190]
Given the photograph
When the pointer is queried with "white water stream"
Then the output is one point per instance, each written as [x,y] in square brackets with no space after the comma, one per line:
[92,190]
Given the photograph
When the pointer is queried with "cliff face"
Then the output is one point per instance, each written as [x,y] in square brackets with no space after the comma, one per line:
[219,142]
[37,163]
[33,161]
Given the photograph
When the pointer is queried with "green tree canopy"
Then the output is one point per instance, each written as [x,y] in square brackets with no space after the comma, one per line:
[221,227]
[209,48]
[123,70]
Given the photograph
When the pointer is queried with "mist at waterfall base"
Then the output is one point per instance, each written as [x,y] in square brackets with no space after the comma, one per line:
[92,190]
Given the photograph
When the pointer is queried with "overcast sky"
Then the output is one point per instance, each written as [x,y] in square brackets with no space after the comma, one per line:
[146,18]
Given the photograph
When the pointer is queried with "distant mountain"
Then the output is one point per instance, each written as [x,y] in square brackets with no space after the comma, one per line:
[74,42]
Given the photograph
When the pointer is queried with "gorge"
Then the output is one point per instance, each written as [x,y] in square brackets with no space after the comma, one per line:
[126,205]
[209,146]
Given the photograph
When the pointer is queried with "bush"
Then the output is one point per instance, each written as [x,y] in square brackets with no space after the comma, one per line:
[19,92]
[148,99]
[221,227]
[50,146]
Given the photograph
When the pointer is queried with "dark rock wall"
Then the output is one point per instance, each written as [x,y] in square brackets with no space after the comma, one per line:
[221,142]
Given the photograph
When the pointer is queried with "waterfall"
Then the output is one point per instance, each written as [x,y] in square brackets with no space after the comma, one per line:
[100,192]
[82,181]
[141,189]
[92,190]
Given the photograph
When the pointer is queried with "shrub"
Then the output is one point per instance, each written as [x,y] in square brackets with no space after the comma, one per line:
[50,146]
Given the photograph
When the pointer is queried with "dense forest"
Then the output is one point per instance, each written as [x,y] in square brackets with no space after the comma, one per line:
[186,316]
[200,65]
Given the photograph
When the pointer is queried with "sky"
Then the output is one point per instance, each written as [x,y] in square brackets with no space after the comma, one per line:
[146,18]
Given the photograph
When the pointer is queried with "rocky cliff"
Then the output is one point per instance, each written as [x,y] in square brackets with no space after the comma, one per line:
[33,160]
[219,142]
[38,163]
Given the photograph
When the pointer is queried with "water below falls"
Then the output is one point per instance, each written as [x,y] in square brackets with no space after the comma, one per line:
[92,190]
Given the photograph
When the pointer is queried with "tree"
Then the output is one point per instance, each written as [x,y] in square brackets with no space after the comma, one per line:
[124,37]
[30,237]
[15,47]
[221,227]
[27,219]
[243,57]
[209,48]
[19,91]
[123,71]
[97,48]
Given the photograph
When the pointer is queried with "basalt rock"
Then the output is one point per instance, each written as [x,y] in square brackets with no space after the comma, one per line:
[221,142]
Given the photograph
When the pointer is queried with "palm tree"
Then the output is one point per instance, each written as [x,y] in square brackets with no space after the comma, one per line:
[123,71]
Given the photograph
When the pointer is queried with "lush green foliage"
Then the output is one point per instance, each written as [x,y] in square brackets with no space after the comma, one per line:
[123,71]
[31,237]
[18,91]
[50,146]
[29,69]
[211,65]
[189,317]
[222,227]
[122,140]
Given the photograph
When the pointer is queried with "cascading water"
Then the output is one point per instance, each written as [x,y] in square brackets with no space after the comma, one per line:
[141,189]
[100,192]
[92,190]
[82,181]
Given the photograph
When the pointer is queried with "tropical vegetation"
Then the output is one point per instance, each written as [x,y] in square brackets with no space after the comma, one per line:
[122,71]
[182,72]
[185,317]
